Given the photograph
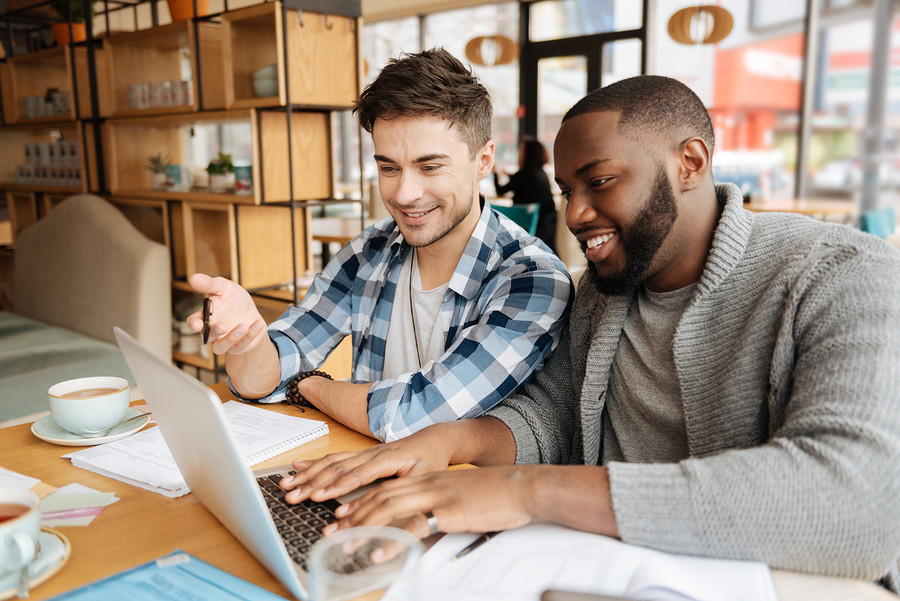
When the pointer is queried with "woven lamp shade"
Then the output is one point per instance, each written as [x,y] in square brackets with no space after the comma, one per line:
[490,50]
[706,24]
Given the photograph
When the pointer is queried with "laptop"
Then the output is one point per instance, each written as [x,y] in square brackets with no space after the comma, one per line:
[195,429]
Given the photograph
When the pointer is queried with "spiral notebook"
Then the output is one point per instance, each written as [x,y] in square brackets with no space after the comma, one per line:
[144,460]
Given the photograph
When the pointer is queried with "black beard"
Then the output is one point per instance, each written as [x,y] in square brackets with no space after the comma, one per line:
[643,238]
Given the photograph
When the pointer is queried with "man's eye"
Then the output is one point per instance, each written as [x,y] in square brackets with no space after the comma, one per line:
[430,167]
[566,194]
[387,169]
[599,181]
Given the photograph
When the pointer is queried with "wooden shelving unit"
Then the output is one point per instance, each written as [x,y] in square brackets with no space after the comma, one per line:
[27,78]
[146,66]
[185,90]
[267,134]
[311,43]
[53,176]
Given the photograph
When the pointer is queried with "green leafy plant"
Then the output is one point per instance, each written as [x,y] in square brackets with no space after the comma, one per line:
[157,163]
[79,7]
[220,165]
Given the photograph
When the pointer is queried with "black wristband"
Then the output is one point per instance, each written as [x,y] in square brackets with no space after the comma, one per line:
[294,397]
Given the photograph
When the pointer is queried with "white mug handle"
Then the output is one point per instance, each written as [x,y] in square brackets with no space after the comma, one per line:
[26,547]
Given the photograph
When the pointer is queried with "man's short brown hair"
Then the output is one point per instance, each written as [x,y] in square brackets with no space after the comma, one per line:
[432,82]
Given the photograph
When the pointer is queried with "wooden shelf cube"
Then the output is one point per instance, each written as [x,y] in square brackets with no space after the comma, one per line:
[146,69]
[150,217]
[260,135]
[27,78]
[206,238]
[322,50]
[265,242]
[47,157]
[210,242]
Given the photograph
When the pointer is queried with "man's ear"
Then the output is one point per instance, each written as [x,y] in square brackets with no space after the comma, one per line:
[484,160]
[694,163]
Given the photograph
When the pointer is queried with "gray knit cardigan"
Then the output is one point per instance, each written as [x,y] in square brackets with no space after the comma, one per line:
[788,359]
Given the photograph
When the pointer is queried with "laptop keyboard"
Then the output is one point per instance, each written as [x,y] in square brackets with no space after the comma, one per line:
[300,525]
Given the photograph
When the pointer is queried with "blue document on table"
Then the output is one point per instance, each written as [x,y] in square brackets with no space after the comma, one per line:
[174,577]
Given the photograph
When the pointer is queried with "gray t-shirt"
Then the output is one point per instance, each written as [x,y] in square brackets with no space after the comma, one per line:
[644,398]
[406,338]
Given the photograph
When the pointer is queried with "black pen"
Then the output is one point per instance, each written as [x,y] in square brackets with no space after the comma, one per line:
[207,311]
[476,543]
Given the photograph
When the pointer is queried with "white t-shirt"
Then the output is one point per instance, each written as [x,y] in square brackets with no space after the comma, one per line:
[415,326]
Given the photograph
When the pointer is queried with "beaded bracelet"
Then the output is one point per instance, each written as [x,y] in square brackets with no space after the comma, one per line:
[293,393]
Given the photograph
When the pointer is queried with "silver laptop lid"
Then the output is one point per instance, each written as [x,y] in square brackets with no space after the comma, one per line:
[194,427]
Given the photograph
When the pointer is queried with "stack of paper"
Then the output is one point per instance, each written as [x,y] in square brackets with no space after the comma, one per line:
[144,459]
[518,565]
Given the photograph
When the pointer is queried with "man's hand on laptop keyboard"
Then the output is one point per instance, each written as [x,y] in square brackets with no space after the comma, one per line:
[335,475]
[482,500]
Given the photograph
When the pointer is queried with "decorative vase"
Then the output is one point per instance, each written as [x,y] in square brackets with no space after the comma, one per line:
[61,32]
[184,9]
[158,181]
[220,182]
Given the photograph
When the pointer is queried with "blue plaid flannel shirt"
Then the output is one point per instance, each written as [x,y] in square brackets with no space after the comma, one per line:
[504,310]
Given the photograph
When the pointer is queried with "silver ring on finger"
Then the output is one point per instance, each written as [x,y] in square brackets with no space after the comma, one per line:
[432,522]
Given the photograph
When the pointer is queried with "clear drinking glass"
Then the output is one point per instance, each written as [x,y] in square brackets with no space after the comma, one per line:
[359,561]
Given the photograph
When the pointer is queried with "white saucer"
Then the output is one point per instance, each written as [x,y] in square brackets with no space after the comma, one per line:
[54,553]
[47,429]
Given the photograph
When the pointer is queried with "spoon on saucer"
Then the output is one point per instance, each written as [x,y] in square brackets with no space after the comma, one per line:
[121,423]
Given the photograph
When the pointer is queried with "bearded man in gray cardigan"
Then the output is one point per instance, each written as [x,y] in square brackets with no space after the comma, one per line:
[729,384]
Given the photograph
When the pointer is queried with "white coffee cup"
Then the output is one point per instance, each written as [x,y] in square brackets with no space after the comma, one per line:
[20,523]
[89,406]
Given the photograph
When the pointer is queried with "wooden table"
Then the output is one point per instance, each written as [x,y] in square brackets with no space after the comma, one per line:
[339,230]
[806,206]
[144,525]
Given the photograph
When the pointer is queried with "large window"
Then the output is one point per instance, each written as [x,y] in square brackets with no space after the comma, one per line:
[557,19]
[453,30]
[752,83]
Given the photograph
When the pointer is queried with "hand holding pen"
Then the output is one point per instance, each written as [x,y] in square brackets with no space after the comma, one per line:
[229,319]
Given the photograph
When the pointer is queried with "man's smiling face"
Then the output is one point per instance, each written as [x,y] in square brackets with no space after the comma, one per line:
[427,179]
[621,206]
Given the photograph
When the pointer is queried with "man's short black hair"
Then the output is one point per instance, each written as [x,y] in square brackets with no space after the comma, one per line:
[651,104]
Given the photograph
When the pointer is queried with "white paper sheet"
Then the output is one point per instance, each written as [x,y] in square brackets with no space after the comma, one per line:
[10,478]
[518,565]
[144,460]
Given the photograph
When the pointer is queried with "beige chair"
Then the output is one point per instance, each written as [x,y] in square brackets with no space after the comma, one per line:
[86,268]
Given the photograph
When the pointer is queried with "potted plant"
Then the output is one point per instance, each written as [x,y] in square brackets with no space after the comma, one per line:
[221,173]
[181,10]
[79,9]
[156,165]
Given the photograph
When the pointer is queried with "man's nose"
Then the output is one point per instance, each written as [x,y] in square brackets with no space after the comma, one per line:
[578,211]
[409,188]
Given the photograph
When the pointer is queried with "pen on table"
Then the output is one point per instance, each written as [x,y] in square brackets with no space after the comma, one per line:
[207,311]
[77,512]
[476,543]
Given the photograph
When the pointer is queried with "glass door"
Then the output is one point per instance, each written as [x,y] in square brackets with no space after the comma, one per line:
[562,81]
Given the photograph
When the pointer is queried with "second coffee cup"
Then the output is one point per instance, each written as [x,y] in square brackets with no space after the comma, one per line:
[89,406]
[20,523]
